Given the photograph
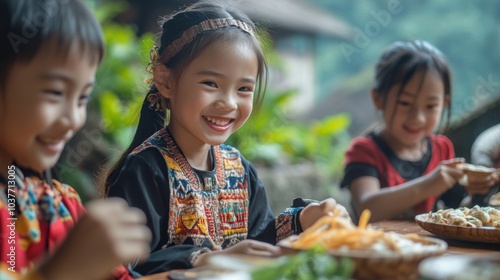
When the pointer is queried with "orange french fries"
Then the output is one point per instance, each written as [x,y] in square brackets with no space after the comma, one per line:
[333,232]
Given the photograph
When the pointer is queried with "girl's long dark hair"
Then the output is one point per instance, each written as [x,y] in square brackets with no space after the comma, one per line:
[150,121]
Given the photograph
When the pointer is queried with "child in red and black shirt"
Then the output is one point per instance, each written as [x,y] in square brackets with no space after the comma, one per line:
[401,168]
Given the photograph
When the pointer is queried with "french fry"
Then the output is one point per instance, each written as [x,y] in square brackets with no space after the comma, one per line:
[365,217]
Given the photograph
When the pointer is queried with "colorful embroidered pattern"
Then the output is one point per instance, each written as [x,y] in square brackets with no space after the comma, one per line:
[37,205]
[212,212]
[37,201]
[287,224]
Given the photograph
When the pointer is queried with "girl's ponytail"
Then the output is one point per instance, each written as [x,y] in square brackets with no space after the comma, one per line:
[150,121]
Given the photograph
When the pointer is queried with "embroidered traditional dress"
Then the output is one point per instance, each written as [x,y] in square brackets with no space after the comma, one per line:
[35,217]
[371,156]
[192,211]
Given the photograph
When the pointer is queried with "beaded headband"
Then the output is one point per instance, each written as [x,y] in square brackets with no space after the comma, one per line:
[188,36]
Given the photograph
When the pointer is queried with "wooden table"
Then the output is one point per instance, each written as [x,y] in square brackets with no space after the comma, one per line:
[455,247]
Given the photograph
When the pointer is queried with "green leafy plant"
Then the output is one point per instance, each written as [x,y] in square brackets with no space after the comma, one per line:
[314,264]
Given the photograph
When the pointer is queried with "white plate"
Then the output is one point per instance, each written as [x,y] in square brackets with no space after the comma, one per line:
[208,273]
[460,268]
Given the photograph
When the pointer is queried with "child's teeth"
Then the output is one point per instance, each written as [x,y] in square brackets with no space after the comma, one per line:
[217,122]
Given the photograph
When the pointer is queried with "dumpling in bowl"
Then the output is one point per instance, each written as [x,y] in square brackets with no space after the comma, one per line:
[436,217]
[478,213]
[457,220]
[473,222]
[449,213]
[494,213]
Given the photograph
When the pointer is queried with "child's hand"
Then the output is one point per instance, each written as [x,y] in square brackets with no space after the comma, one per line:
[253,247]
[453,162]
[444,176]
[312,212]
[124,227]
[480,184]
[245,247]
[110,233]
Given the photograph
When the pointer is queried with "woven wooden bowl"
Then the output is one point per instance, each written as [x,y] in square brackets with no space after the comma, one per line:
[479,234]
[375,265]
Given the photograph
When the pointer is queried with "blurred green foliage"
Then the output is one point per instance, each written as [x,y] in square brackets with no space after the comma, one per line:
[313,264]
[121,90]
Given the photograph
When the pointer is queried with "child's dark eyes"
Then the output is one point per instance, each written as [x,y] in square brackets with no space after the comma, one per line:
[84,99]
[210,83]
[53,92]
[214,85]
[245,89]
[404,103]
[56,94]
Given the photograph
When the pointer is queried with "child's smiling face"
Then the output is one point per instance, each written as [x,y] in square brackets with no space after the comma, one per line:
[416,112]
[214,95]
[43,103]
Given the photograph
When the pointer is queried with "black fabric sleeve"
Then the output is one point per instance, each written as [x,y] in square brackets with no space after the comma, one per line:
[355,170]
[262,225]
[453,196]
[261,222]
[143,182]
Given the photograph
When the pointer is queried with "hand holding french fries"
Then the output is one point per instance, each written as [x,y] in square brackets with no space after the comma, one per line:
[315,211]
